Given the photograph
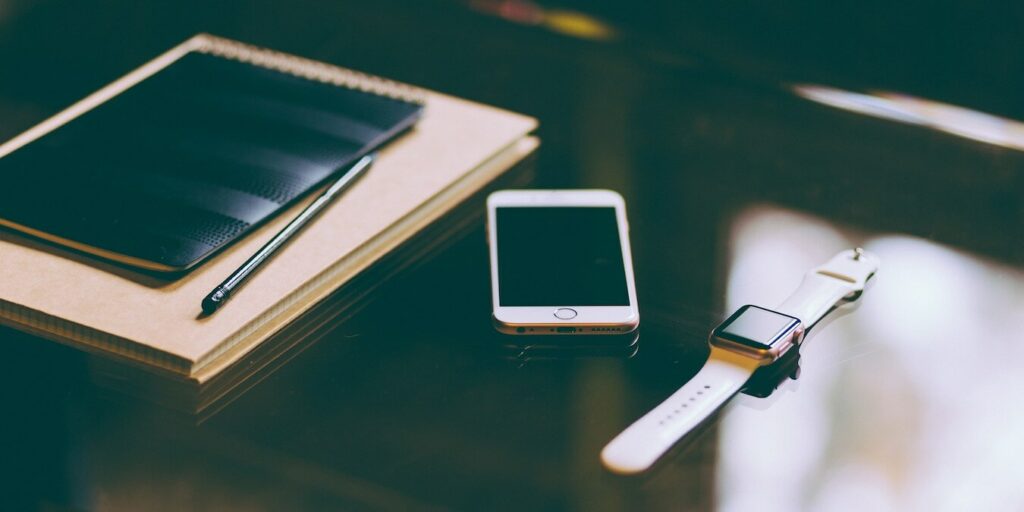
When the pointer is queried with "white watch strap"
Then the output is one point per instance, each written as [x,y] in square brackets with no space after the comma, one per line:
[845,274]
[642,443]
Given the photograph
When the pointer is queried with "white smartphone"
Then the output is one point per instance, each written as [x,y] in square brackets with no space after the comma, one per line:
[560,262]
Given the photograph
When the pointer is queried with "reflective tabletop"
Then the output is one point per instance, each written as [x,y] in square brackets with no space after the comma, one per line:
[736,183]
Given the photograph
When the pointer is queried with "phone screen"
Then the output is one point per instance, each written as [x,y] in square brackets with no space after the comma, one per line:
[559,256]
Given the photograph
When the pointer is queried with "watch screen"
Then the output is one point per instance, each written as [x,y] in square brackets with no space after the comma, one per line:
[754,326]
[560,256]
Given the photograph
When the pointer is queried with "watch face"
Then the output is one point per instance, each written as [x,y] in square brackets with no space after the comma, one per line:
[756,327]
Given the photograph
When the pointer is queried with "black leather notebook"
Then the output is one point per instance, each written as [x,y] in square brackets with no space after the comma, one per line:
[171,163]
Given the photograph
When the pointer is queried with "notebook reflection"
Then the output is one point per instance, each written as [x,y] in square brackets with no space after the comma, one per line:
[895,401]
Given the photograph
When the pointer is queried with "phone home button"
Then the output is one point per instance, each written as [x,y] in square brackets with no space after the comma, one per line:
[565,313]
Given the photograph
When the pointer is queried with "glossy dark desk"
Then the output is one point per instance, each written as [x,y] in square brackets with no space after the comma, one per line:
[735,186]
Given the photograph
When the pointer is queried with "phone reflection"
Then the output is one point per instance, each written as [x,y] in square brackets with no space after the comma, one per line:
[525,349]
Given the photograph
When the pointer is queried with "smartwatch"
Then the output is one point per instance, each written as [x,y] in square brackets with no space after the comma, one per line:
[752,337]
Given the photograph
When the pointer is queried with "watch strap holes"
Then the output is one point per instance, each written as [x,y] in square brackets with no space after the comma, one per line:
[703,392]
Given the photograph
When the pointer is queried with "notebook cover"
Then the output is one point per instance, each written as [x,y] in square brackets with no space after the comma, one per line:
[195,154]
[456,148]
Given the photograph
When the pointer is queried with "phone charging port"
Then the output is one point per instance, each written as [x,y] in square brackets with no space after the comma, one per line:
[566,329]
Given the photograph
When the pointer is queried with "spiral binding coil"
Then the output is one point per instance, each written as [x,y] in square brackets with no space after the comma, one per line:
[308,68]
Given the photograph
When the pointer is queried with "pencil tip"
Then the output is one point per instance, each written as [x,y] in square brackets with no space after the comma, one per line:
[214,300]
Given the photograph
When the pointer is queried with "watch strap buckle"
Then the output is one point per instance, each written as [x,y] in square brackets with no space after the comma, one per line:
[854,266]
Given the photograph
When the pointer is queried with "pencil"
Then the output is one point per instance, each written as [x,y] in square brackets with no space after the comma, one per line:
[226,289]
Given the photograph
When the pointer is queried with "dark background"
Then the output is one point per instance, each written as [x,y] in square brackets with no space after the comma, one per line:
[611,110]
[960,52]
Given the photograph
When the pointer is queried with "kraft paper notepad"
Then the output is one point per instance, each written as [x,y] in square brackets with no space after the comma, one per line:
[454,149]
